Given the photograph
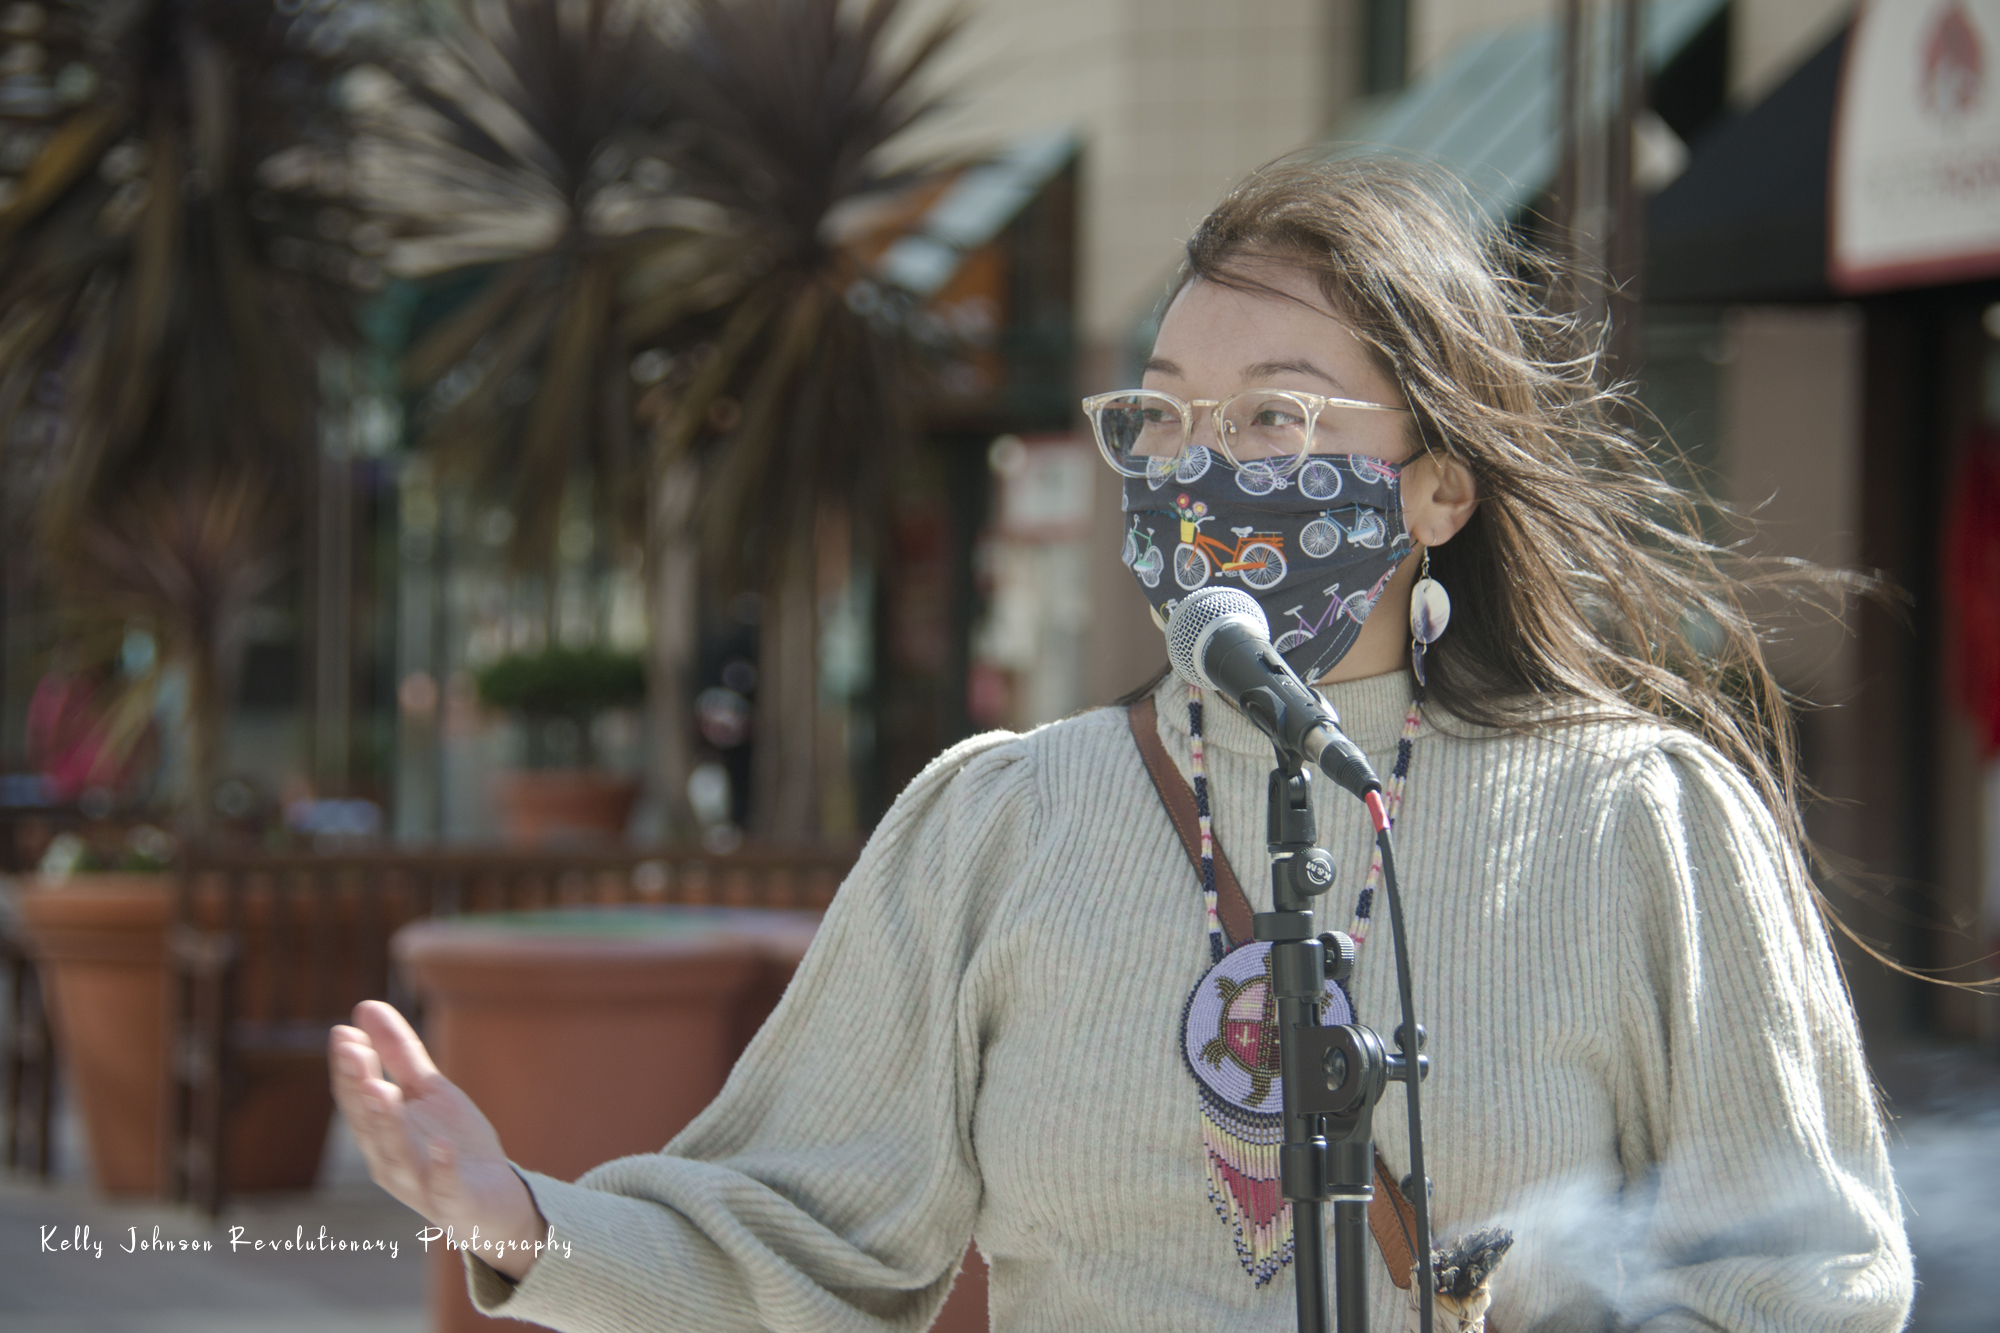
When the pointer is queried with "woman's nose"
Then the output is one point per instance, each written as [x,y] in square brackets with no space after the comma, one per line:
[1207,425]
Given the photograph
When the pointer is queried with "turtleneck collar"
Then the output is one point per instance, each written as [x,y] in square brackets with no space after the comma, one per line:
[1371,710]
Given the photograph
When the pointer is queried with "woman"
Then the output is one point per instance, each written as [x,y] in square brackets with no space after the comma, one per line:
[1644,1061]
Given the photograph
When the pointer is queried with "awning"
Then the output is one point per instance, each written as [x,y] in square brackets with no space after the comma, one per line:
[974,209]
[944,256]
[1489,111]
[1747,220]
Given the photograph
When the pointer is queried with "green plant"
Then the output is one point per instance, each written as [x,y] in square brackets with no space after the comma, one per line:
[789,399]
[163,312]
[564,682]
[143,849]
[558,692]
[787,108]
[650,180]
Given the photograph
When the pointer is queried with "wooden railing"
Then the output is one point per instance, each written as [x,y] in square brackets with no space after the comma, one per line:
[27,1056]
[266,952]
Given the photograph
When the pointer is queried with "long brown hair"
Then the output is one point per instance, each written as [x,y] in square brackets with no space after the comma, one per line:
[1583,586]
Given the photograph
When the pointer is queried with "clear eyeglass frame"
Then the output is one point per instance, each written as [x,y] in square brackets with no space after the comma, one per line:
[1311,406]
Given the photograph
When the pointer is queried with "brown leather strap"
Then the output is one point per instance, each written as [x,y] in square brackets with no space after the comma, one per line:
[1393,1219]
[1178,797]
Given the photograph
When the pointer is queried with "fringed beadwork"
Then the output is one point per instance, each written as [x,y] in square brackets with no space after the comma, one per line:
[1229,1041]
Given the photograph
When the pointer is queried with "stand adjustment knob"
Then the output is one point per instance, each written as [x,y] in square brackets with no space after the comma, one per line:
[1406,1062]
[1340,952]
[1400,1066]
[1311,872]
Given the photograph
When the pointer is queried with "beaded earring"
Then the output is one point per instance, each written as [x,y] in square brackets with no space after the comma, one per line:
[1430,612]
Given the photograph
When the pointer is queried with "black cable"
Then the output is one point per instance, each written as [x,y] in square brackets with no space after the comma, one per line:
[1412,1053]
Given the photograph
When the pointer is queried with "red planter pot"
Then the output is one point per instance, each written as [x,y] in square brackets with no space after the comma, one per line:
[544,805]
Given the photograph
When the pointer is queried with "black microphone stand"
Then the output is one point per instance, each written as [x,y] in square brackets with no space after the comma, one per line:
[1332,1076]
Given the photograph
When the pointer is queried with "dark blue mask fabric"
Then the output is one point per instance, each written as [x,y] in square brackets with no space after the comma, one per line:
[1315,547]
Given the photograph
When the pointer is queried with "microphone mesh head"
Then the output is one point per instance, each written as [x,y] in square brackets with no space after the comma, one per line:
[1195,619]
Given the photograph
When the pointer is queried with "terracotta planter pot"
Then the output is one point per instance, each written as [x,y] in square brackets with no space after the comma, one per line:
[545,805]
[537,1015]
[100,941]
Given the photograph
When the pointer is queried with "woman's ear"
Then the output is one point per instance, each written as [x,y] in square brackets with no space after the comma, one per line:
[1438,498]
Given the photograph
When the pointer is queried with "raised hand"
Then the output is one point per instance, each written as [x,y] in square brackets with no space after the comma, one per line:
[425,1141]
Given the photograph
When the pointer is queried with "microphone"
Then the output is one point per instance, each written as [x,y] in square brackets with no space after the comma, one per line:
[1219,638]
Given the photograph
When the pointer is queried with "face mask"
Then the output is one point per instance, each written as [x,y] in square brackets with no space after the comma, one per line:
[1315,548]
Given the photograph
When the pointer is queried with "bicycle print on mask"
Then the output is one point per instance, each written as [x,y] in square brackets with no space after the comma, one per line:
[1315,545]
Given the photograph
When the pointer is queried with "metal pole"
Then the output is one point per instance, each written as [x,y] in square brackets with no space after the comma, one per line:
[1350,1257]
[1566,213]
[1627,251]
[333,577]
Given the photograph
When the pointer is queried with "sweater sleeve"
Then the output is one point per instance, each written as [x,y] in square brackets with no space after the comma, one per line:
[1753,1149]
[831,1185]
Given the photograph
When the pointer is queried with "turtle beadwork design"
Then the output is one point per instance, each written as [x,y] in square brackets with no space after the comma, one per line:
[1248,1037]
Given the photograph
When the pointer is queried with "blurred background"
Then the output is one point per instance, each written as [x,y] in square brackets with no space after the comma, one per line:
[505,455]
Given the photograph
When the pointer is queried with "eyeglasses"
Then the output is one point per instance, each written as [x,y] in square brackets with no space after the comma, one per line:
[1145,433]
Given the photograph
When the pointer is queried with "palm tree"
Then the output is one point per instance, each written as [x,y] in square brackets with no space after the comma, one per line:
[525,141]
[161,309]
[656,196]
[789,105]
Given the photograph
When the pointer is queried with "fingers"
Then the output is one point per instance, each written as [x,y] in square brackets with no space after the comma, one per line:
[351,1062]
[357,1073]
[351,1056]
[378,1114]
[391,1144]
[396,1043]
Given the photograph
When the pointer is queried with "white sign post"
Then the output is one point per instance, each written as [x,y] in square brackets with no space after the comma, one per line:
[1916,147]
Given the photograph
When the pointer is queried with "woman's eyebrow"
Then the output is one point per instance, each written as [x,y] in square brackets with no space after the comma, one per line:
[1164,367]
[1299,366]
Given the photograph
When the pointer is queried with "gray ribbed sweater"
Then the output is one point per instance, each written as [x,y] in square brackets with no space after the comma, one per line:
[1644,1061]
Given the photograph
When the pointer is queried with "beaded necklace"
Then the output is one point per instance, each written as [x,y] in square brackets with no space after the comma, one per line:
[1198,763]
[1392,800]
[1229,1036]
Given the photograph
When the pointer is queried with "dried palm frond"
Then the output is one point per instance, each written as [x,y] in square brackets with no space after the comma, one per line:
[158,312]
[187,561]
[529,137]
[788,105]
[646,179]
